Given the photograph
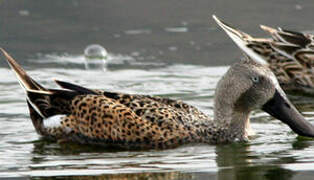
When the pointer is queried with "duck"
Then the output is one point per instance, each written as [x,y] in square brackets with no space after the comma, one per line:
[80,115]
[289,54]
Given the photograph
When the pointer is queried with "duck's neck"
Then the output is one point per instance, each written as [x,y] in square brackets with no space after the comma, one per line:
[234,123]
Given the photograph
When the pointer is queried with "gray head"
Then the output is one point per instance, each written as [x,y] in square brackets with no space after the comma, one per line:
[248,86]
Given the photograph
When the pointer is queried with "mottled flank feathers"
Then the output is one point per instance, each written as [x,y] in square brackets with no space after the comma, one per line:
[104,118]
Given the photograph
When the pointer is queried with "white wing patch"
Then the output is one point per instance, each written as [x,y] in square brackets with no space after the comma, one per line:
[53,121]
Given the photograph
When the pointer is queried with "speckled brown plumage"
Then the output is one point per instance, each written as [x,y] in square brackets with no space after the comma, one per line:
[131,121]
[115,119]
[289,54]
[86,116]
[137,123]
[291,74]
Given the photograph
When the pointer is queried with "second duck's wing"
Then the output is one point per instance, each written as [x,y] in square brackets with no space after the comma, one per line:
[283,58]
[290,37]
[294,45]
[298,47]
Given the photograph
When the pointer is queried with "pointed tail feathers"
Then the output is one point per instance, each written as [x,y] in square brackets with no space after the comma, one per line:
[287,36]
[42,102]
[26,82]
[242,40]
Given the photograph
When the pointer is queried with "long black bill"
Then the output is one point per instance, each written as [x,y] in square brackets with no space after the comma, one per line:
[282,109]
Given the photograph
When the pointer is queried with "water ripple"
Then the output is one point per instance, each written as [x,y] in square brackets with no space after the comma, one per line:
[24,153]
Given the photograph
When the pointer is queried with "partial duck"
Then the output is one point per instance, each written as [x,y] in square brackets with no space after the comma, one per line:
[87,116]
[289,54]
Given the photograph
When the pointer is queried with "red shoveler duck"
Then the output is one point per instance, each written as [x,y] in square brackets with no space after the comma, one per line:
[110,119]
[289,54]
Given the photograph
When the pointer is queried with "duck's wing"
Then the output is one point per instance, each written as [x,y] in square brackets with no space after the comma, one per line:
[143,104]
[107,118]
[289,37]
[168,122]
[298,47]
[283,58]
[139,103]
[295,45]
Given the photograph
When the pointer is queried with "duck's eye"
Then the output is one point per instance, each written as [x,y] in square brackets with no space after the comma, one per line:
[255,79]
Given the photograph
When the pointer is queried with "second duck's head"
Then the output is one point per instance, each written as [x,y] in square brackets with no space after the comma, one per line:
[247,86]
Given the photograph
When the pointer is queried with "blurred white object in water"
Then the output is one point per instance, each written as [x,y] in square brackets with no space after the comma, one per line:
[95,57]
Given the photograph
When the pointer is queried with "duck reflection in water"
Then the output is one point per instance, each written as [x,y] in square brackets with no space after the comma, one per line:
[237,161]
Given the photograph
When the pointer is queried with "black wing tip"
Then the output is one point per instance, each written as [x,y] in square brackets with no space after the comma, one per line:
[74,87]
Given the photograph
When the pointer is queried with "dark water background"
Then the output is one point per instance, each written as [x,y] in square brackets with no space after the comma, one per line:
[169,48]
[29,27]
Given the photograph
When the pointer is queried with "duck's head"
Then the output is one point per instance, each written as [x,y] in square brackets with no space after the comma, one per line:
[247,86]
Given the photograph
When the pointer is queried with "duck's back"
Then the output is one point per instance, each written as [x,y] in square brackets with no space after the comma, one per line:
[129,121]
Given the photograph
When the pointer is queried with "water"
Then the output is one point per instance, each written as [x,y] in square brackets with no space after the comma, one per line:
[170,49]
[23,153]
